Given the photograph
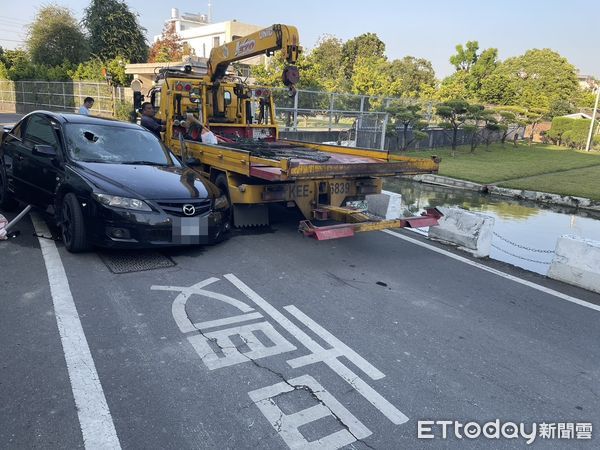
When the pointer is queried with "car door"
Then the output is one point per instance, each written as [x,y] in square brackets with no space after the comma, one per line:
[12,156]
[37,174]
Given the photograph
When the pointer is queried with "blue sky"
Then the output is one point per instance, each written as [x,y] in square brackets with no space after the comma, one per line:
[426,29]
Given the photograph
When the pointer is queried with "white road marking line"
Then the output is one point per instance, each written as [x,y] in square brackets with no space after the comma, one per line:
[95,420]
[178,308]
[337,345]
[288,425]
[372,396]
[497,272]
[227,321]
[231,354]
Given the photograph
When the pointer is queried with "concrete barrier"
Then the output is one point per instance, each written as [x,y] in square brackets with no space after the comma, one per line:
[577,261]
[439,180]
[545,197]
[387,205]
[470,231]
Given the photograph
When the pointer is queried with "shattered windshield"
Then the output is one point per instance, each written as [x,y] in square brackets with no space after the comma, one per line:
[115,145]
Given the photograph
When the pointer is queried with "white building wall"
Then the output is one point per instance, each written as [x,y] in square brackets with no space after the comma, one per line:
[201,37]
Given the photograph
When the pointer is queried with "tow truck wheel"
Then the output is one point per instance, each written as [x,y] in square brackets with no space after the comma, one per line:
[221,183]
[7,203]
[72,225]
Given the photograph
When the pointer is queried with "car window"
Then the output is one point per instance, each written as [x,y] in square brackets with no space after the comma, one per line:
[40,131]
[115,144]
[16,131]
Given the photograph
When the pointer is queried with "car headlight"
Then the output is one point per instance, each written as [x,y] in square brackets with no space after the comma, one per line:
[122,202]
[221,202]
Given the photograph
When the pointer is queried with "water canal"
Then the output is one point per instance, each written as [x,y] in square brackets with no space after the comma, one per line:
[525,233]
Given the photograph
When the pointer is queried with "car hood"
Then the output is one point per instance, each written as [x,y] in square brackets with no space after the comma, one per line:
[148,182]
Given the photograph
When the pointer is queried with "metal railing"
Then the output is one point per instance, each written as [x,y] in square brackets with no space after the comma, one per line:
[25,96]
[347,119]
[359,120]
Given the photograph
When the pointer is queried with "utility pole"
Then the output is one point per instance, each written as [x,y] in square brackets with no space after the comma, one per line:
[589,139]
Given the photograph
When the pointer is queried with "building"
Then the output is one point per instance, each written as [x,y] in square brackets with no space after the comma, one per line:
[587,82]
[578,115]
[202,35]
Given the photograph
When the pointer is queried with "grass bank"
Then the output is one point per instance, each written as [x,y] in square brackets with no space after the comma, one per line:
[539,167]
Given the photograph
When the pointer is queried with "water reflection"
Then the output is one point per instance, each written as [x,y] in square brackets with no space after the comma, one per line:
[525,233]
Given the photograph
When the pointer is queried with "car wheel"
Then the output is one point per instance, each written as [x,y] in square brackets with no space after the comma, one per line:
[7,203]
[72,225]
[221,183]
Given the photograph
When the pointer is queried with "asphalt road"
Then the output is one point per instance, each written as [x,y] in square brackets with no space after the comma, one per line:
[271,340]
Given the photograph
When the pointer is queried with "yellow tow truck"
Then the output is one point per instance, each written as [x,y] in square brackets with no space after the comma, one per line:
[251,164]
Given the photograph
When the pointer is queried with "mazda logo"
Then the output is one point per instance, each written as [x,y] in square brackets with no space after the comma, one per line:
[189,210]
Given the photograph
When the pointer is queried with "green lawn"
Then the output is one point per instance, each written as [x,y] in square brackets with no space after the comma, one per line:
[577,182]
[545,168]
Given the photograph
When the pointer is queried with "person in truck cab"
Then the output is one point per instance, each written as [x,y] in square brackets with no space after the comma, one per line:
[149,121]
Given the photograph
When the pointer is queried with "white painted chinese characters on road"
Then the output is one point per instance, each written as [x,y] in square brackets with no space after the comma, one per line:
[216,347]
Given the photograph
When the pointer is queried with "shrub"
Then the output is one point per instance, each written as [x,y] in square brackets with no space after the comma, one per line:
[92,70]
[570,132]
[124,111]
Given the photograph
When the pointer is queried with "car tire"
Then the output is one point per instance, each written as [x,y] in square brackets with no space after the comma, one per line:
[72,225]
[221,183]
[7,202]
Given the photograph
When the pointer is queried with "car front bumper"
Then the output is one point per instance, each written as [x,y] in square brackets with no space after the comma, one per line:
[122,228]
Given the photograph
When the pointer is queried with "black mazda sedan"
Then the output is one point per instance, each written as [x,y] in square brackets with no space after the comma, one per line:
[109,183]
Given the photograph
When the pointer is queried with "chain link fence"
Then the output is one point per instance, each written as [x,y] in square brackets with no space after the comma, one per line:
[27,96]
[344,119]
[361,121]
[315,116]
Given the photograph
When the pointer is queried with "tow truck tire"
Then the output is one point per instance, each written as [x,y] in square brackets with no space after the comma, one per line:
[73,225]
[7,203]
[221,183]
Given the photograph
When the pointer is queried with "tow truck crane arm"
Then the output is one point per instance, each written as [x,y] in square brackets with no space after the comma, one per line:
[263,42]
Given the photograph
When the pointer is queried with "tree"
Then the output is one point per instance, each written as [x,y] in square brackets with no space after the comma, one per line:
[499,88]
[539,78]
[93,70]
[410,76]
[370,76]
[270,74]
[480,121]
[17,65]
[168,47]
[114,30]
[465,56]
[409,118]
[326,63]
[510,119]
[364,46]
[55,37]
[454,113]
[484,67]
[455,86]
[561,107]
[534,117]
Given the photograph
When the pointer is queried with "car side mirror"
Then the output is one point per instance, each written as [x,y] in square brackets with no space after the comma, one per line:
[44,150]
